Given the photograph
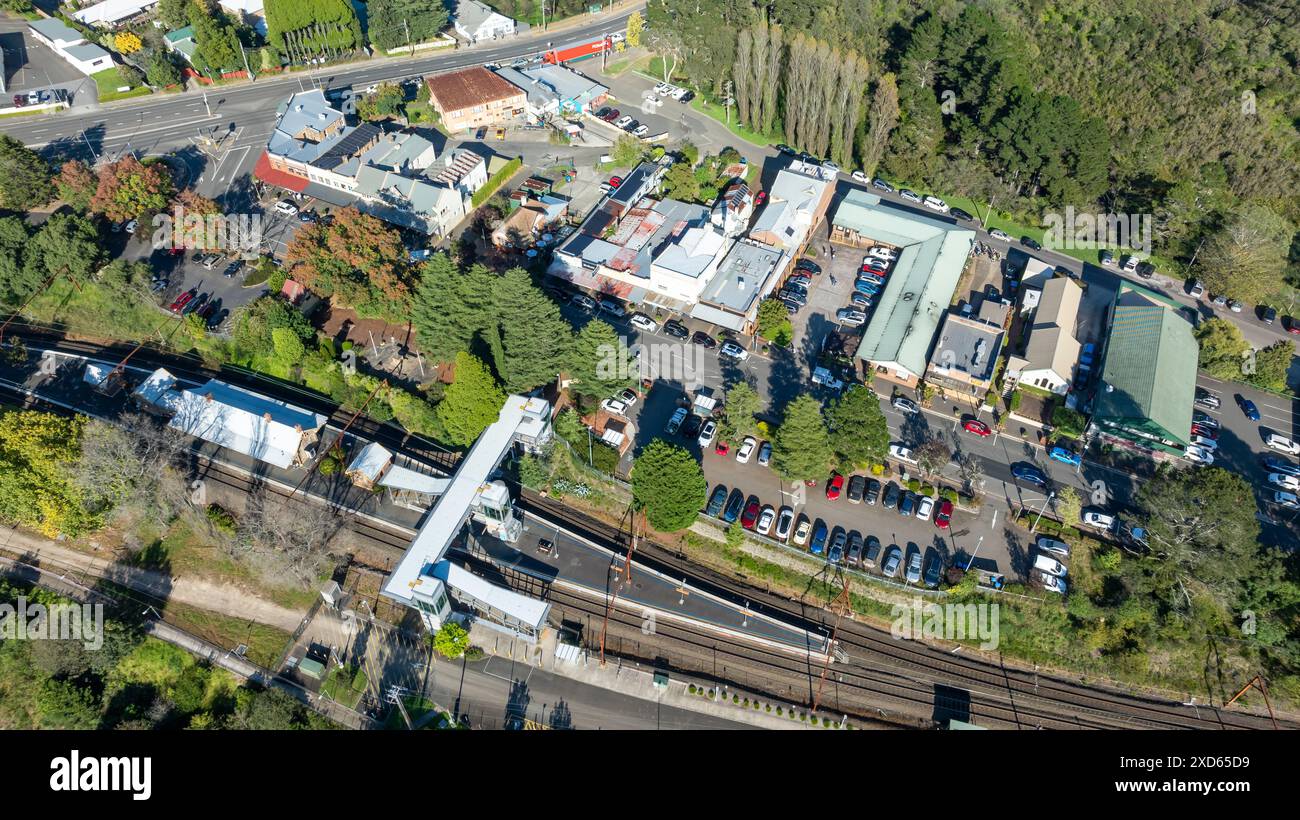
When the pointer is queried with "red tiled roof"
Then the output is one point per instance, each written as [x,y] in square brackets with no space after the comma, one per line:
[279,179]
[468,88]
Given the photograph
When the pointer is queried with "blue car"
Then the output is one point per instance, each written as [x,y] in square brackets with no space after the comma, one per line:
[818,544]
[1277,465]
[867,286]
[1065,456]
[1030,473]
[732,512]
[1248,407]
[860,299]
[716,501]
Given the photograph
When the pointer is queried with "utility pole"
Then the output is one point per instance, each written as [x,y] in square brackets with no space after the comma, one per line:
[841,606]
[409,44]
[247,70]
[1260,684]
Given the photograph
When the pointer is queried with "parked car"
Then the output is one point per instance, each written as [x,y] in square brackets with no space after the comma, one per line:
[934,203]
[1276,465]
[232,269]
[784,522]
[676,329]
[734,351]
[1286,482]
[641,130]
[1204,420]
[977,427]
[858,176]
[904,405]
[1000,235]
[901,453]
[1048,564]
[675,423]
[765,454]
[882,185]
[1051,583]
[734,505]
[913,573]
[871,554]
[892,492]
[1282,444]
[1028,472]
[614,407]
[286,207]
[943,518]
[746,449]
[958,213]
[1198,455]
[707,432]
[765,520]
[749,518]
[933,570]
[1053,546]
[622,122]
[801,531]
[857,483]
[1248,407]
[1098,519]
[704,340]
[818,543]
[893,557]
[1208,400]
[808,265]
[583,302]
[1268,315]
[643,322]
[1288,500]
[851,317]
[833,486]
[924,506]
[611,115]
[910,196]
[1031,243]
[721,447]
[717,500]
[1064,455]
[838,541]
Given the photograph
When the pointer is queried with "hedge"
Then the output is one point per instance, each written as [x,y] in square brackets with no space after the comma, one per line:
[496,181]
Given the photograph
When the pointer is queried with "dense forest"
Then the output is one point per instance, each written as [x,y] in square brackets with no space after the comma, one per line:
[1184,110]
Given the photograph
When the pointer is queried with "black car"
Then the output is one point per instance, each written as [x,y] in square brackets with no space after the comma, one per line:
[1028,472]
[1146,270]
[872,555]
[716,501]
[793,296]
[958,213]
[808,265]
[908,504]
[602,112]
[704,340]
[892,491]
[856,485]
[1030,243]
[632,126]
[687,97]
[932,570]
[232,269]
[1269,315]
[676,329]
[732,512]
[785,149]
[873,491]
[691,428]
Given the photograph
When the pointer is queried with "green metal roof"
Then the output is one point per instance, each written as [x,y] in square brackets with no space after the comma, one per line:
[1149,376]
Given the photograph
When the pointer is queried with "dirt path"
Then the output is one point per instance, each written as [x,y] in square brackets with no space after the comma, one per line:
[220,598]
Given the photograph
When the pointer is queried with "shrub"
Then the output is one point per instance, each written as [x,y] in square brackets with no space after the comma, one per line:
[914,484]
[948,494]
[1015,401]
[221,519]
[927,489]
[691,688]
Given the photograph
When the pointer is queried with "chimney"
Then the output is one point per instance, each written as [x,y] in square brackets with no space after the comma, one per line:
[207,397]
[266,417]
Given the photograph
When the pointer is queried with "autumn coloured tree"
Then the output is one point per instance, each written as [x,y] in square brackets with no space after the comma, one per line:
[76,184]
[127,42]
[356,261]
[130,189]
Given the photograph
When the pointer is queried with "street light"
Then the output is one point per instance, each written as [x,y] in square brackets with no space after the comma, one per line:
[1043,509]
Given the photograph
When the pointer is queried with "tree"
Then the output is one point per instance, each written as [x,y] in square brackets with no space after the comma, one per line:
[14,287]
[883,119]
[450,307]
[1068,506]
[627,151]
[742,406]
[600,362]
[472,402]
[635,25]
[396,23]
[859,433]
[161,71]
[24,176]
[218,49]
[773,322]
[356,261]
[305,29]
[931,455]
[681,183]
[127,42]
[669,484]
[801,449]
[37,452]
[1223,349]
[76,184]
[67,244]
[175,13]
[1271,365]
[129,189]
[1245,258]
[451,640]
[386,103]
[532,353]
[289,349]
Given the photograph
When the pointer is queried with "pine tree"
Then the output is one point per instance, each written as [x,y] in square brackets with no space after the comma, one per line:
[801,449]
[534,337]
[859,432]
[669,483]
[471,403]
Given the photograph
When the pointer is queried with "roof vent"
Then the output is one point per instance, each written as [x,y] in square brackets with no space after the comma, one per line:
[740,283]
[298,107]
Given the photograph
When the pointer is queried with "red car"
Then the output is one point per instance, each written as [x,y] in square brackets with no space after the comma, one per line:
[943,517]
[182,301]
[977,427]
[1291,324]
[616,181]
[1205,432]
[761,198]
[872,272]
[721,448]
[750,515]
[834,486]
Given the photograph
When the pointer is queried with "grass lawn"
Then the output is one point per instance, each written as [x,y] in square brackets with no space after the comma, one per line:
[719,113]
[25,113]
[345,686]
[265,643]
[110,80]
[96,311]
[416,708]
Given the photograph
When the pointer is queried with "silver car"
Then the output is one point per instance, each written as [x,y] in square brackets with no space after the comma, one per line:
[893,557]
[784,521]
[1053,546]
[914,567]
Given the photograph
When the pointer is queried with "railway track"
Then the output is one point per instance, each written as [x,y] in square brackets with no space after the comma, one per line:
[1019,697]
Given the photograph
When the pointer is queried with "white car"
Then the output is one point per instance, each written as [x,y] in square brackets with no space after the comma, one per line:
[1051,583]
[851,317]
[1286,482]
[1285,499]
[924,507]
[1099,520]
[879,252]
[934,203]
[677,93]
[858,176]
[765,520]
[734,351]
[1049,565]
[286,207]
[747,448]
[998,233]
[644,322]
[642,130]
[1208,443]
[1282,443]
[765,454]
[830,166]
[801,532]
[707,434]
[1053,546]
[901,453]
[1198,455]
[622,121]
[663,89]
[784,521]
[614,407]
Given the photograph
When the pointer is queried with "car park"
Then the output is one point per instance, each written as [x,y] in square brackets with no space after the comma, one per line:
[747,448]
[924,507]
[857,483]
[1053,546]
[893,557]
[977,427]
[1064,455]
[784,522]
[643,322]
[943,518]
[913,573]
[717,500]
[734,351]
[749,518]
[765,520]
[818,543]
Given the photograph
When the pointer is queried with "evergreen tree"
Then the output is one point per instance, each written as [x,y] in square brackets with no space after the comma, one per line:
[801,449]
[859,432]
[600,363]
[534,338]
[471,403]
[669,483]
